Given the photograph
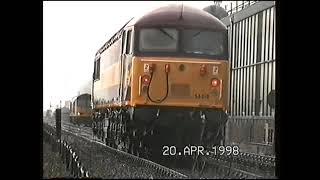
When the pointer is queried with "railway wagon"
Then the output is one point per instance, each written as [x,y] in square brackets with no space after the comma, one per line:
[162,79]
[80,110]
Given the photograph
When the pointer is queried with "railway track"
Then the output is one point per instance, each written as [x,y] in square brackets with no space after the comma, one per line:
[163,171]
[244,165]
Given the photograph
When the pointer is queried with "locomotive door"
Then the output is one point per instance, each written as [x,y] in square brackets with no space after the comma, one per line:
[122,56]
[126,56]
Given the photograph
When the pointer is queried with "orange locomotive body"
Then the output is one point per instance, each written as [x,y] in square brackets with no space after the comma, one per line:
[162,79]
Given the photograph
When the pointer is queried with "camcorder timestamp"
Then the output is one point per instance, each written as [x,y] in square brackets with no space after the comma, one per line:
[200,150]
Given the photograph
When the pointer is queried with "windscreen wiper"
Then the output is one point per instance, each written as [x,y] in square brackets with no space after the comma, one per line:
[167,34]
[196,34]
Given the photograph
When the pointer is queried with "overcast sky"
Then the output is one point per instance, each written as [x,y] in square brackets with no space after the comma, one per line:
[72,34]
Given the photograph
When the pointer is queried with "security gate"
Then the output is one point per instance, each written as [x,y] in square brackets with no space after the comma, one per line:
[252,79]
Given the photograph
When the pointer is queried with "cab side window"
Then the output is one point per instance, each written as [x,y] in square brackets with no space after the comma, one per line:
[123,42]
[96,72]
[98,69]
[128,45]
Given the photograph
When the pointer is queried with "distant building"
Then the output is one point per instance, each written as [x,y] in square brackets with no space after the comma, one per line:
[65,110]
[67,104]
[49,113]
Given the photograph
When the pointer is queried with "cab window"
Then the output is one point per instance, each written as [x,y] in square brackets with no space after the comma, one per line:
[128,45]
[96,69]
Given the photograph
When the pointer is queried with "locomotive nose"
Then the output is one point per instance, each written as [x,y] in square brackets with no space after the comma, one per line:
[181,82]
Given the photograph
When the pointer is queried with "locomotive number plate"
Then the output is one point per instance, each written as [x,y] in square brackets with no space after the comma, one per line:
[215,70]
[146,68]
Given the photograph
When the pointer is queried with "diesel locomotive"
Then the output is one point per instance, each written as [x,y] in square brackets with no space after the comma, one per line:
[80,110]
[162,79]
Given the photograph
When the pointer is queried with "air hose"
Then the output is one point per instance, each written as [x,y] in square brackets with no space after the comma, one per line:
[148,91]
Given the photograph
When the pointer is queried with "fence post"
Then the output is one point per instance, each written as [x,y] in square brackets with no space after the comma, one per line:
[258,68]
[236,6]
[58,123]
[58,128]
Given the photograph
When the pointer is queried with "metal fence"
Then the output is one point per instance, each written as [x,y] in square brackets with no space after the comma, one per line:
[68,155]
[252,79]
[236,6]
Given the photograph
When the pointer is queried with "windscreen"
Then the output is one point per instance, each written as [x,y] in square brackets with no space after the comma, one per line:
[158,40]
[193,42]
[204,42]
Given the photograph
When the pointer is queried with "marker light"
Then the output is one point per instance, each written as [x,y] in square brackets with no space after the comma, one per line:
[145,79]
[215,82]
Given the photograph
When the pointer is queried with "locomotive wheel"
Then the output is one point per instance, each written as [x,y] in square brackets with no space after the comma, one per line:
[143,151]
[114,141]
[132,148]
[137,152]
[117,143]
[98,134]
[135,147]
[102,136]
[198,164]
[127,144]
[146,153]
[139,148]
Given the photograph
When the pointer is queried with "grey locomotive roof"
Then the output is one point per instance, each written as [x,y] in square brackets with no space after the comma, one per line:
[171,15]
[180,15]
